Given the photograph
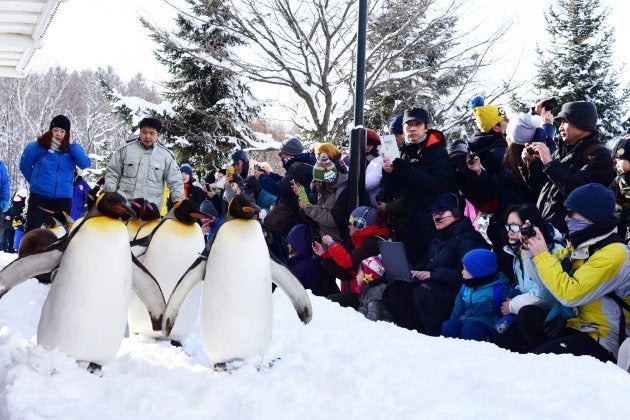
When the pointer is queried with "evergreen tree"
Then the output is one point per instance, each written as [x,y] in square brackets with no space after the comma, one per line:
[211,106]
[577,64]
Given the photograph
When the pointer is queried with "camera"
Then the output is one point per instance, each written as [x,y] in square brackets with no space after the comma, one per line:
[550,104]
[471,158]
[256,167]
[528,230]
[530,151]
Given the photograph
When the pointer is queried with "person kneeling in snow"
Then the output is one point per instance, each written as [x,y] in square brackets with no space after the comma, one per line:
[478,303]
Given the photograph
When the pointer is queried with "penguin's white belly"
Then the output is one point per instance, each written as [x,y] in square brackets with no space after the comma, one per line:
[174,247]
[236,312]
[84,314]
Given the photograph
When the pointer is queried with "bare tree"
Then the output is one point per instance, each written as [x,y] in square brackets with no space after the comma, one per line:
[306,50]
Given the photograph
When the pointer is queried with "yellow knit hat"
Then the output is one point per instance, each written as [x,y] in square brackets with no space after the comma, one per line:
[330,149]
[486,116]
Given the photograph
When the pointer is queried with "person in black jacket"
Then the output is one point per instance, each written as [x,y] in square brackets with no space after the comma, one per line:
[191,191]
[298,165]
[426,302]
[581,159]
[421,173]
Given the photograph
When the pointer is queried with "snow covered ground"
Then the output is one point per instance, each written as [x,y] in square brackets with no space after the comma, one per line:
[339,366]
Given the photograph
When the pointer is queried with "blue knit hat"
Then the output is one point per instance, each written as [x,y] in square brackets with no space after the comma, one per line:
[186,168]
[593,201]
[480,262]
[396,125]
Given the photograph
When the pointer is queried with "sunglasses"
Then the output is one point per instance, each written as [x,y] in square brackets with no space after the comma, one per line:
[438,213]
[514,228]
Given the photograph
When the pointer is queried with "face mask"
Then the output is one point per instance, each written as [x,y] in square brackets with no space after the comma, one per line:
[575,225]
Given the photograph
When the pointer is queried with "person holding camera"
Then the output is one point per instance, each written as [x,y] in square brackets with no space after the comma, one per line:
[590,275]
[533,303]
[581,159]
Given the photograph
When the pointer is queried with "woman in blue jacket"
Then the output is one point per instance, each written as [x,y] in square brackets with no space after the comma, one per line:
[48,166]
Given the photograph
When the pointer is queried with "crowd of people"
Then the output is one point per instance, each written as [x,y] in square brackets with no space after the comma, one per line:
[546,273]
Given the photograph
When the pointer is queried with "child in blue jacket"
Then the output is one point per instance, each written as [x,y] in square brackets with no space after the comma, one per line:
[478,303]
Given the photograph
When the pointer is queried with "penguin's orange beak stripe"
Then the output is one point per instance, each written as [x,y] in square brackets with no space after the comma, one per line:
[248,209]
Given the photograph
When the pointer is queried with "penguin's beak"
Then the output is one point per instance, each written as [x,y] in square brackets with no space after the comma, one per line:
[125,212]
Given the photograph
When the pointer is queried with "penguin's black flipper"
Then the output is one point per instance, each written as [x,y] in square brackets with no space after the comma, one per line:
[139,246]
[148,290]
[283,278]
[195,273]
[30,266]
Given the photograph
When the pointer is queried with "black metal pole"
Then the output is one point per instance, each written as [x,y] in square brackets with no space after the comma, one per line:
[358,136]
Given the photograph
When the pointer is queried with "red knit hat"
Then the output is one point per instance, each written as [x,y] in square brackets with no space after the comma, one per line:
[373,268]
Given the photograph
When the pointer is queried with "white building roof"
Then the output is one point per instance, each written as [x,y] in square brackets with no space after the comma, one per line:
[23,24]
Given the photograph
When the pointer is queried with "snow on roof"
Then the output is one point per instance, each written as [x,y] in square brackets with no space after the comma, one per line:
[23,24]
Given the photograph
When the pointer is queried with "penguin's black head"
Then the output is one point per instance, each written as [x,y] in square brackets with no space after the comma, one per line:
[114,205]
[187,211]
[241,208]
[56,218]
[145,209]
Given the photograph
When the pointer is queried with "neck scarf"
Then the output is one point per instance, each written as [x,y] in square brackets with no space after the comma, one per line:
[55,145]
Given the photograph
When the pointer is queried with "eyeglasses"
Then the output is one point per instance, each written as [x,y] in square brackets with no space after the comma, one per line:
[438,213]
[512,227]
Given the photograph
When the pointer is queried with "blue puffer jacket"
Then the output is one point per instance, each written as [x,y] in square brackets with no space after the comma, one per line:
[5,183]
[50,173]
[477,303]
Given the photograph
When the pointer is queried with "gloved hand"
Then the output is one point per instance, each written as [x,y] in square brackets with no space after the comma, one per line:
[556,320]
[4,206]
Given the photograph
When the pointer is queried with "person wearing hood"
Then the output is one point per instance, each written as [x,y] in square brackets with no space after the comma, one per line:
[48,166]
[303,262]
[192,191]
[329,213]
[424,303]
[478,303]
[591,275]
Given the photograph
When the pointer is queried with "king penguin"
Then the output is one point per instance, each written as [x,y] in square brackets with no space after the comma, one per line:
[236,304]
[147,218]
[172,246]
[85,311]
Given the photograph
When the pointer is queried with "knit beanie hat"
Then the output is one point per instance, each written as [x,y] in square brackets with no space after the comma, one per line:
[324,170]
[448,201]
[186,168]
[622,149]
[373,268]
[329,149]
[581,114]
[458,146]
[396,125]
[416,114]
[593,201]
[486,116]
[521,129]
[292,146]
[372,137]
[480,262]
[364,216]
[60,121]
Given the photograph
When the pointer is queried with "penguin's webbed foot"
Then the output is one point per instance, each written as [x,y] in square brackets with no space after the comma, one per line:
[95,368]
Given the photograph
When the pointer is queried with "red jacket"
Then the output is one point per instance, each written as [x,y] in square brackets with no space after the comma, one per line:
[338,259]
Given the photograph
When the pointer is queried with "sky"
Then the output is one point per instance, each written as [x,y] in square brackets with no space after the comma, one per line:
[92,33]
[339,366]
